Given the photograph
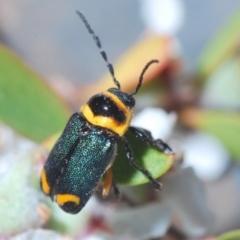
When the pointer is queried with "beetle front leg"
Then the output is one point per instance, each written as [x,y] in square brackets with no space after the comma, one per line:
[146,136]
[130,158]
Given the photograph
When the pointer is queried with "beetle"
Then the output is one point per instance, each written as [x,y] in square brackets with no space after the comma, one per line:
[88,145]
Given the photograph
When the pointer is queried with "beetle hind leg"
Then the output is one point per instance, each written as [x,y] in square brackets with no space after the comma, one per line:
[116,191]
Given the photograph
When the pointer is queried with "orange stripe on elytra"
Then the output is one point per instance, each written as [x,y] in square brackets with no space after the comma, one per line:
[61,199]
[45,185]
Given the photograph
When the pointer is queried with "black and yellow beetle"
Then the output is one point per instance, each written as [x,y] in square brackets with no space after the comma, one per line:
[88,145]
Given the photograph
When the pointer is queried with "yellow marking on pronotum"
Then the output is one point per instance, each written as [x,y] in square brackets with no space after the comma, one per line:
[45,185]
[65,198]
[108,122]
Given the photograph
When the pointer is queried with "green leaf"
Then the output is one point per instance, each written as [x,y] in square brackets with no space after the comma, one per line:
[224,125]
[27,104]
[150,158]
[222,88]
[233,235]
[223,45]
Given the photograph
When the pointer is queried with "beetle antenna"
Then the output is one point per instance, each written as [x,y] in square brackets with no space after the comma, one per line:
[142,75]
[99,45]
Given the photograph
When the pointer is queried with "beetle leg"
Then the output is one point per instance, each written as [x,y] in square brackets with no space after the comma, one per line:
[107,183]
[130,158]
[116,191]
[146,136]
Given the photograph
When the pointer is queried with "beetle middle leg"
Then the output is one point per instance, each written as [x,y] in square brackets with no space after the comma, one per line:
[130,158]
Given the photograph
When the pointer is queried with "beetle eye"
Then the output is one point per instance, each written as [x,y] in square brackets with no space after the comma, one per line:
[131,102]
